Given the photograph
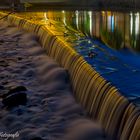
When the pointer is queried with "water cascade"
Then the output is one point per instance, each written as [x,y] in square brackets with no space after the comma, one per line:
[103,102]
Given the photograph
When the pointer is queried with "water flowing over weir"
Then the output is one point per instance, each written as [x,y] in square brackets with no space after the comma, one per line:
[103,102]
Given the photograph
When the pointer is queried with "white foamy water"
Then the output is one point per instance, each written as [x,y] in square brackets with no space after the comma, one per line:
[51,112]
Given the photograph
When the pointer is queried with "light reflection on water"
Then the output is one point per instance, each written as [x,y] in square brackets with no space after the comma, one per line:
[118,30]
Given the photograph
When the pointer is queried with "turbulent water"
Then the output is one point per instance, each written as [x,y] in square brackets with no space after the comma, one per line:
[51,112]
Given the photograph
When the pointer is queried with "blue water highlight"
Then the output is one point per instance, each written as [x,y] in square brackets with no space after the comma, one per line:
[121,68]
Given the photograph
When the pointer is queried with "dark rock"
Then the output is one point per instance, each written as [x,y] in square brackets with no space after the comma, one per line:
[91,54]
[15,99]
[16,90]
[37,138]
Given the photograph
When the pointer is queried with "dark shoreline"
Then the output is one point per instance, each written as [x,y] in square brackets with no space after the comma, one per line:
[43,8]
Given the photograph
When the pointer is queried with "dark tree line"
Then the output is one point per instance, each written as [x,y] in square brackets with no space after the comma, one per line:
[90,3]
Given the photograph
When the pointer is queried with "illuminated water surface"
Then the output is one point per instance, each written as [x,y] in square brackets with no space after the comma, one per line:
[111,43]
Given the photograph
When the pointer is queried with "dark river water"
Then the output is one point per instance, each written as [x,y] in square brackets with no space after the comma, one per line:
[111,44]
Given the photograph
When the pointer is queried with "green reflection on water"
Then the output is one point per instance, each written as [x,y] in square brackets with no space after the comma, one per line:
[113,39]
[117,29]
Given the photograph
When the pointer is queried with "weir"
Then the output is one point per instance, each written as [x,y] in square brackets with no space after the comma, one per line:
[103,102]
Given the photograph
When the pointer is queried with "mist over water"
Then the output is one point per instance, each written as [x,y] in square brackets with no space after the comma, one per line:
[51,112]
